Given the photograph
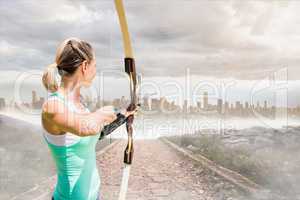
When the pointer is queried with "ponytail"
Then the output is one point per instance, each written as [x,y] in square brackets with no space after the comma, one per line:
[51,78]
[69,56]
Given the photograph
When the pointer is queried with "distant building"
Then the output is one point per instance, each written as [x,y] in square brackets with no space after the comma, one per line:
[2,103]
[265,106]
[220,106]
[155,105]
[231,107]
[36,103]
[238,108]
[257,106]
[41,101]
[116,103]
[273,112]
[34,99]
[205,101]
[226,107]
[123,102]
[185,106]
[246,105]
[149,104]
[199,105]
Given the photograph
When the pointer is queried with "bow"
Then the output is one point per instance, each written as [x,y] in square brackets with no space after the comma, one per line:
[130,70]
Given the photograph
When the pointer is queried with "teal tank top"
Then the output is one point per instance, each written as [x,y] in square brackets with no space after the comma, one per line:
[77,172]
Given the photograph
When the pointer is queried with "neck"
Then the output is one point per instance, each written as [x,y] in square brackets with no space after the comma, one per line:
[71,89]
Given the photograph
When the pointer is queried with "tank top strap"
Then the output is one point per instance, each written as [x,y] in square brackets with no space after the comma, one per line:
[61,98]
[68,103]
[58,95]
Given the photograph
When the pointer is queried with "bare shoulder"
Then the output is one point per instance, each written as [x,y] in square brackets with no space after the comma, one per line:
[50,109]
[52,106]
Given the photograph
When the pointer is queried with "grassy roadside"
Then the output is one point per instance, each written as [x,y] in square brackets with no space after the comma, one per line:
[272,167]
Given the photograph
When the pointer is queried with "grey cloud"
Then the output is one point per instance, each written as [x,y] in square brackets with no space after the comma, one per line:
[244,40]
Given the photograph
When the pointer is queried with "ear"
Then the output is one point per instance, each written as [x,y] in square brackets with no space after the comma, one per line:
[84,67]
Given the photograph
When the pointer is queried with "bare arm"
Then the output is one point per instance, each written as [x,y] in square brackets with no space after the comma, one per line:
[56,113]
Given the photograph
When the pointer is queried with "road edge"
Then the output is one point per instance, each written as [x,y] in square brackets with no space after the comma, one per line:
[235,178]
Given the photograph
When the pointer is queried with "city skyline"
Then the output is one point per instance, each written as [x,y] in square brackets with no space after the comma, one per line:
[163,106]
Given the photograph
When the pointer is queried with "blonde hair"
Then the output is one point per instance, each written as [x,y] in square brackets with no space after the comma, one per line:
[69,56]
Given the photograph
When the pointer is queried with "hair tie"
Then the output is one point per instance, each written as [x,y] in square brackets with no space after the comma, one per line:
[61,71]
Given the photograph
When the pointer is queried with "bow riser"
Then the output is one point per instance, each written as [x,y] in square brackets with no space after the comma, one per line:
[130,70]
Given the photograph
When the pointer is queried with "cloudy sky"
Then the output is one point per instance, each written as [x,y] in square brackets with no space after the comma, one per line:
[218,39]
[239,39]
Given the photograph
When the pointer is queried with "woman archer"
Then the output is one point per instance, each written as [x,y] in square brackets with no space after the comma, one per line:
[70,129]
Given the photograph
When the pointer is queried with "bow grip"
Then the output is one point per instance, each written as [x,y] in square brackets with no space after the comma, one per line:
[129,65]
[130,68]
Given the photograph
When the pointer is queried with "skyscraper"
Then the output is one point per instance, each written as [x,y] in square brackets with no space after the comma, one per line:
[219,106]
[185,106]
[34,99]
[226,107]
[2,103]
[198,105]
[205,101]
